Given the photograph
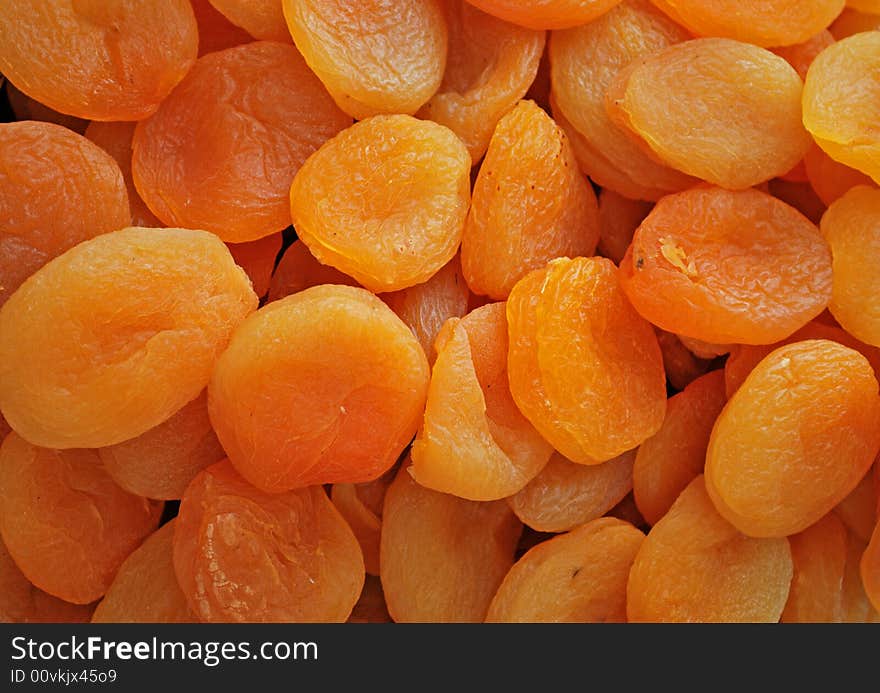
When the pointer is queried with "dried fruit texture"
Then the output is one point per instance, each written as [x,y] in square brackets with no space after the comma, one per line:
[443,557]
[870,569]
[474,442]
[546,14]
[841,102]
[801,55]
[94,59]
[111,338]
[694,566]
[384,201]
[670,459]
[565,495]
[679,362]
[257,258]
[115,139]
[795,439]
[857,607]
[364,522]
[762,22]
[539,91]
[21,602]
[67,525]
[145,588]
[704,350]
[869,6]
[161,462]
[222,150]
[628,511]
[216,33]
[619,217]
[25,108]
[324,386]
[578,577]
[829,178]
[262,19]
[244,555]
[584,368]
[851,22]
[858,510]
[799,195]
[584,62]
[381,56]
[425,307]
[744,358]
[370,608]
[723,111]
[490,66]
[298,270]
[80,189]
[819,557]
[530,204]
[727,267]
[852,228]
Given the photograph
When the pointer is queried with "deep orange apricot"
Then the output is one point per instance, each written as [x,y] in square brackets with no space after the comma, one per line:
[801,55]
[829,178]
[257,258]
[298,269]
[25,108]
[619,217]
[858,511]
[262,19]
[682,366]
[370,607]
[216,33]
[870,569]
[546,14]
[852,21]
[366,524]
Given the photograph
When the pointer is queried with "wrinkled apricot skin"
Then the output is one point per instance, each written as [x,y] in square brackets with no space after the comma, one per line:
[527,207]
[111,338]
[324,386]
[750,129]
[65,522]
[257,106]
[389,236]
[583,366]
[575,577]
[490,66]
[474,442]
[795,439]
[262,19]
[81,191]
[670,459]
[727,267]
[145,588]
[762,22]
[298,269]
[442,557]
[841,102]
[546,14]
[694,566]
[244,555]
[564,495]
[94,59]
[381,56]
[257,258]
[852,227]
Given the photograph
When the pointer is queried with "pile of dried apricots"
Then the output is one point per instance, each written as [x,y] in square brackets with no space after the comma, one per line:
[440,310]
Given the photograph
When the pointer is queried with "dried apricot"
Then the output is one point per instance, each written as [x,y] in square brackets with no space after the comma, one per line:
[262,19]
[857,607]
[370,607]
[364,522]
[584,367]
[576,577]
[694,566]
[244,555]
[852,21]
[298,269]
[98,60]
[723,111]
[682,366]
[801,55]
[145,588]
[546,14]
[80,189]
[564,495]
[474,442]
[324,386]
[383,56]
[829,178]
[795,439]
[490,66]
[65,522]
[384,201]
[443,557]
[870,569]
[727,267]
[530,204]
[799,195]
[257,258]
[670,459]
[222,150]
[25,108]
[858,511]
[216,33]
[619,217]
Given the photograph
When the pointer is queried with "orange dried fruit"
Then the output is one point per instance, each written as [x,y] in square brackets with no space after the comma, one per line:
[795,439]
[216,33]
[363,520]
[111,338]
[392,235]
[530,204]
[324,386]
[829,178]
[682,366]
[727,267]
[858,511]
[857,607]
[25,108]
[67,525]
[694,566]
[583,366]
[801,55]
[852,21]
[443,557]
[262,19]
[370,607]
[546,14]
[244,555]
[619,217]
[799,195]
[257,258]
[298,270]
